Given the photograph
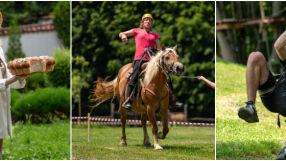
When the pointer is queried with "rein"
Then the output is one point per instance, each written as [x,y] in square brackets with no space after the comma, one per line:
[191,77]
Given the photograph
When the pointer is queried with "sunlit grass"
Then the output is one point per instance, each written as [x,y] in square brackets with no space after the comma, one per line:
[189,143]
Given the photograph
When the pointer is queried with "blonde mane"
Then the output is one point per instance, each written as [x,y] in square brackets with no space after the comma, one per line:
[152,67]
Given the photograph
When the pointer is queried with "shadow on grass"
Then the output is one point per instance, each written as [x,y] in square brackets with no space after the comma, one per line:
[193,148]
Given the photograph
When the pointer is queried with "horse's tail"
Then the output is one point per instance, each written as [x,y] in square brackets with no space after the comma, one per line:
[103,91]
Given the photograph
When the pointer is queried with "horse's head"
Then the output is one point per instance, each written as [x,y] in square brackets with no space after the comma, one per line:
[170,63]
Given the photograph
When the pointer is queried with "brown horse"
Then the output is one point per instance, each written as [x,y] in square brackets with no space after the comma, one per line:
[154,93]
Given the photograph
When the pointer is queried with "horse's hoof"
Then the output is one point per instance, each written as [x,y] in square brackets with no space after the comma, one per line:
[158,147]
[123,144]
[160,135]
[147,145]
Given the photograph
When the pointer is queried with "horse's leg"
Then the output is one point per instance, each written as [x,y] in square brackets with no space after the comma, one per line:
[146,140]
[152,119]
[165,122]
[123,122]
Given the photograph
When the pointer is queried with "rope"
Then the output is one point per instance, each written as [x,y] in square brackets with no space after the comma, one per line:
[191,77]
[117,122]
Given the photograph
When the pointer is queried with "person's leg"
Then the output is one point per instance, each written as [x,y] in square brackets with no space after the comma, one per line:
[1,142]
[256,75]
[132,83]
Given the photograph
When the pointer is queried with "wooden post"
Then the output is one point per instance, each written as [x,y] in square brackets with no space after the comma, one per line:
[186,112]
[112,107]
[88,127]
[79,108]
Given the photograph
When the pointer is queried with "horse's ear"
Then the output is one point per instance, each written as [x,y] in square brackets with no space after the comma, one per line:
[163,47]
[175,47]
[1,20]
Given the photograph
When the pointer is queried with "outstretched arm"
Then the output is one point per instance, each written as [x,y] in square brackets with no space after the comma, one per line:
[123,35]
[280,46]
[209,83]
[158,46]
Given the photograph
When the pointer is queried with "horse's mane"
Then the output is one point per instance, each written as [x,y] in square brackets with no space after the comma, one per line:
[152,67]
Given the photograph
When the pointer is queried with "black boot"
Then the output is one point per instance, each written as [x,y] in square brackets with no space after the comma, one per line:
[128,104]
[282,154]
[173,101]
[172,98]
[248,113]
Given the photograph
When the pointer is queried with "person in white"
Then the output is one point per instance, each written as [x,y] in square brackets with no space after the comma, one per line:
[7,81]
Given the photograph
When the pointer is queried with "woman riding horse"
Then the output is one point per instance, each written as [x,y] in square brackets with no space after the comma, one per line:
[144,38]
[154,96]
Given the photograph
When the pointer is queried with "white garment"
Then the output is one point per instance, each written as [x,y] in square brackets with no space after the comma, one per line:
[5,112]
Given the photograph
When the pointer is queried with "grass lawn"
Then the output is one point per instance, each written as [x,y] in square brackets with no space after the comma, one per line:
[38,142]
[189,143]
[235,138]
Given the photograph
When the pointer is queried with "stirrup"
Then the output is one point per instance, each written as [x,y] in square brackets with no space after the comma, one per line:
[127,105]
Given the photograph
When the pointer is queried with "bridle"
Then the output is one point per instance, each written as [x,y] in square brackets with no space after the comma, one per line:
[163,64]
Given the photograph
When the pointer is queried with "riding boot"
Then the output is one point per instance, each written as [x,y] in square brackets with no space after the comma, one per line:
[173,100]
[128,104]
[282,154]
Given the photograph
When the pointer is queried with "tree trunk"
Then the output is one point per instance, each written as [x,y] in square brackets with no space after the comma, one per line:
[276,31]
[79,107]
[226,51]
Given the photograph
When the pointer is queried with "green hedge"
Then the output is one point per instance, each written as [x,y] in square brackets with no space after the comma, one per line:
[15,95]
[42,105]
[35,81]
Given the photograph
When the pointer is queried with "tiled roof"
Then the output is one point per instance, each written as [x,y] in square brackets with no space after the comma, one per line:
[42,27]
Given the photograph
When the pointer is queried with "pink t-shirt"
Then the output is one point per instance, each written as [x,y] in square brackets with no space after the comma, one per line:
[143,40]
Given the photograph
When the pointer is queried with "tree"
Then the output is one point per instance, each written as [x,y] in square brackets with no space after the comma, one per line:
[27,11]
[61,18]
[79,80]
[14,44]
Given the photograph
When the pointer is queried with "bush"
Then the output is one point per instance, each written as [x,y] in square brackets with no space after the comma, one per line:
[35,81]
[15,95]
[43,105]
[61,18]
[61,74]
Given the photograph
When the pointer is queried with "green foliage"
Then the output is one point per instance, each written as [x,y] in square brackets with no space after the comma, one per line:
[182,143]
[191,25]
[79,77]
[43,104]
[15,95]
[236,139]
[61,74]
[61,19]
[14,44]
[38,142]
[27,11]
[35,81]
